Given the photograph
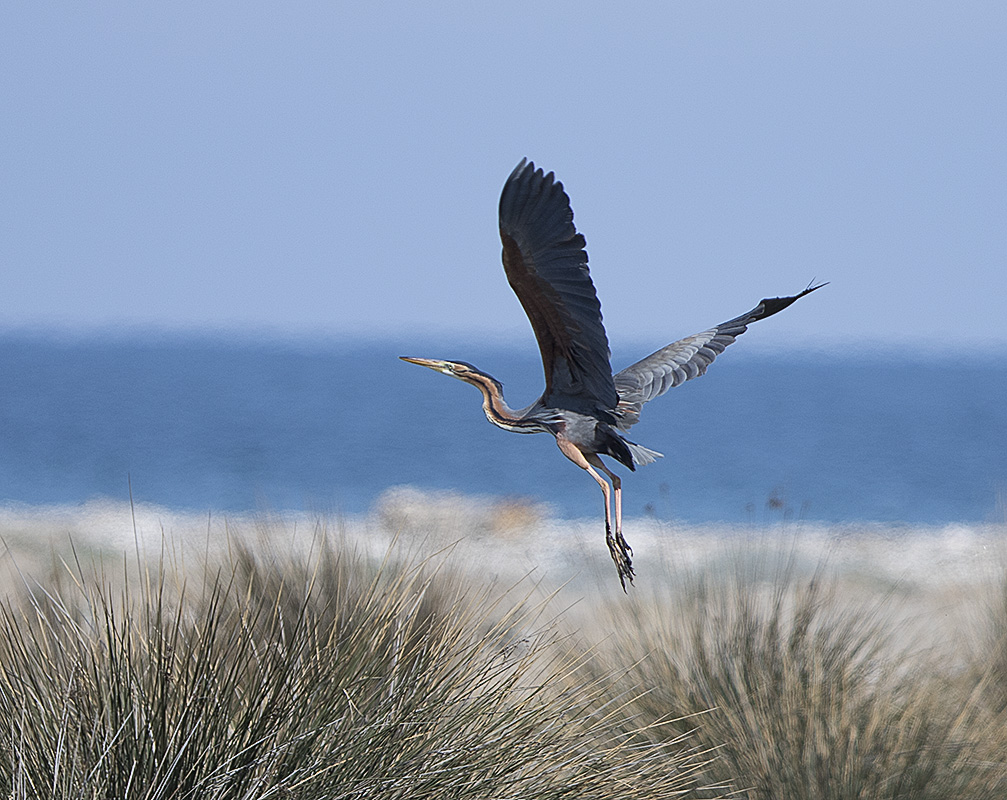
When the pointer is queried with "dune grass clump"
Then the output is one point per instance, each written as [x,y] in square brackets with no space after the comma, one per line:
[802,694]
[332,678]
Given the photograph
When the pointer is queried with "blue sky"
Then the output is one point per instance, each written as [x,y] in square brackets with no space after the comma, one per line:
[334,168]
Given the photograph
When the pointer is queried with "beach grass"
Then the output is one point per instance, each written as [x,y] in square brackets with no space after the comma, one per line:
[310,660]
[806,693]
[328,676]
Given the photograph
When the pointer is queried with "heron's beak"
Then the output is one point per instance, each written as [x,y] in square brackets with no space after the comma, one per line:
[430,363]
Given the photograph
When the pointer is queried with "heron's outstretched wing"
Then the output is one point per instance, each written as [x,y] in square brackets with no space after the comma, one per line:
[685,359]
[546,265]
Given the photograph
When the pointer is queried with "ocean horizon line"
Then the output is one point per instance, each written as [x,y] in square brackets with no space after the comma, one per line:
[516,340]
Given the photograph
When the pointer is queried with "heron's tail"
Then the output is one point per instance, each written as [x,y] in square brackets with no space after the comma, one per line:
[643,455]
[629,454]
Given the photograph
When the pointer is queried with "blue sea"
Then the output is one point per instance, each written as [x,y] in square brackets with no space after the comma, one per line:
[223,423]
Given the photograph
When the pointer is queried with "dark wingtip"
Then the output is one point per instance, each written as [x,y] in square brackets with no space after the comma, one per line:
[527,171]
[523,164]
[773,305]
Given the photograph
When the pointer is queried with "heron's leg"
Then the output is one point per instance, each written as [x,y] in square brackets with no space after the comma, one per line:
[617,487]
[571,451]
[617,546]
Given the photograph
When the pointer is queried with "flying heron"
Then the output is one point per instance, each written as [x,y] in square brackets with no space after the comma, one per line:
[584,405]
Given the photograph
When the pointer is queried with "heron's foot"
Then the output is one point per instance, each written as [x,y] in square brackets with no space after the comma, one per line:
[623,543]
[621,554]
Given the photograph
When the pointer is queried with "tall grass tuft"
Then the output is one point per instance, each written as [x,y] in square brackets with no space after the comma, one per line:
[330,676]
[805,695]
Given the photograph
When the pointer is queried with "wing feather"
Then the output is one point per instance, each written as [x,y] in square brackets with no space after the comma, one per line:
[685,359]
[546,264]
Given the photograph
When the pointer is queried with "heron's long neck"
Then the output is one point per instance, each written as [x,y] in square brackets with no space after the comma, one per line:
[498,412]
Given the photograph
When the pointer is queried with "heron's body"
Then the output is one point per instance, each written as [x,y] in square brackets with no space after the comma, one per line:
[585,406]
[587,433]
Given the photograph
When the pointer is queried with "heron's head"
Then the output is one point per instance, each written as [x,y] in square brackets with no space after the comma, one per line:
[456,369]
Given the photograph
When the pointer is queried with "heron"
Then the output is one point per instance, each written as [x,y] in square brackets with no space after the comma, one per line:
[584,406]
